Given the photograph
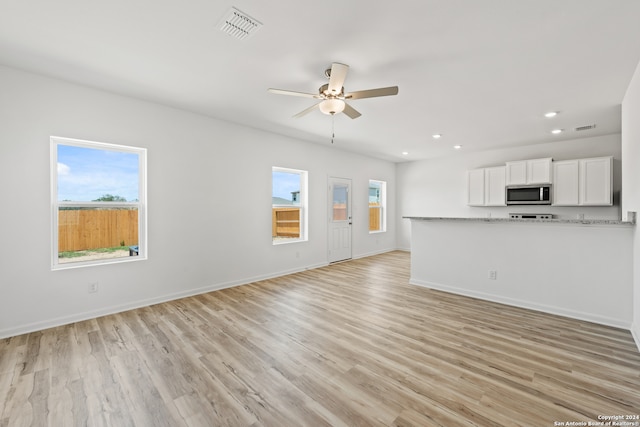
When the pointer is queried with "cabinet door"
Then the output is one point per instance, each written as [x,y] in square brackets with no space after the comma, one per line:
[494,183]
[539,171]
[475,187]
[596,177]
[516,173]
[566,183]
[536,171]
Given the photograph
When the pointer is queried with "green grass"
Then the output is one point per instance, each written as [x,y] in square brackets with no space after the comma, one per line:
[75,254]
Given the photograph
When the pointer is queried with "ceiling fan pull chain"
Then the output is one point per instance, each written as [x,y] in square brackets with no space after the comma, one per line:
[333,127]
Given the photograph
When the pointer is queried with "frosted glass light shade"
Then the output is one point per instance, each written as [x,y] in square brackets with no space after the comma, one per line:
[332,106]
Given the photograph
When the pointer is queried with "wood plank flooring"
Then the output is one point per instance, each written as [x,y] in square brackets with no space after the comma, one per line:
[351,344]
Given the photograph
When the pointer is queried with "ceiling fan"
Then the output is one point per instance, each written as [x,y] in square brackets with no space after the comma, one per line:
[332,95]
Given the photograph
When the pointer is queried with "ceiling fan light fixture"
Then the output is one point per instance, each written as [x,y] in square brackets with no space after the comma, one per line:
[332,97]
[332,106]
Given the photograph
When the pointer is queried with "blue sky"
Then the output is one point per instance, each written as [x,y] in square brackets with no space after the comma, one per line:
[85,174]
[284,183]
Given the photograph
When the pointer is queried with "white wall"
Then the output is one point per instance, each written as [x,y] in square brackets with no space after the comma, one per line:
[631,181]
[438,187]
[209,202]
[574,270]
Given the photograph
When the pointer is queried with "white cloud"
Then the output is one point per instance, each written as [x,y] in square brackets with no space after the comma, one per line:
[63,169]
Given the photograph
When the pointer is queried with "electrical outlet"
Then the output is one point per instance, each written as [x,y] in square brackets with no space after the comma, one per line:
[492,275]
[93,287]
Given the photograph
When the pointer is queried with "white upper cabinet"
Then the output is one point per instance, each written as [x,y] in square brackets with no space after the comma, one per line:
[475,187]
[539,171]
[516,173]
[486,187]
[580,182]
[596,181]
[566,190]
[583,182]
[494,183]
[524,172]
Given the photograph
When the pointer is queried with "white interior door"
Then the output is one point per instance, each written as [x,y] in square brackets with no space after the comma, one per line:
[339,219]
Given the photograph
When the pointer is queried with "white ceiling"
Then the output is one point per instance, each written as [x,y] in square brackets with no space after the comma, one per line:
[480,72]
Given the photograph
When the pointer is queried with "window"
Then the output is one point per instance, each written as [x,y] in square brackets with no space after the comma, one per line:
[377,206]
[288,205]
[98,199]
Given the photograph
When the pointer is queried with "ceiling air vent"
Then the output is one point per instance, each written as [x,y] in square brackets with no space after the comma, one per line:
[587,127]
[238,24]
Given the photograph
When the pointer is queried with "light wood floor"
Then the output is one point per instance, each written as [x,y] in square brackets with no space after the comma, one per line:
[351,344]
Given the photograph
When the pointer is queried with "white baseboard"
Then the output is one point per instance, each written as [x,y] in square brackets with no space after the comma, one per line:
[78,317]
[560,311]
[635,331]
[374,253]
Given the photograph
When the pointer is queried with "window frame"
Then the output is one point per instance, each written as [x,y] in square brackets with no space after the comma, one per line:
[141,204]
[382,207]
[303,205]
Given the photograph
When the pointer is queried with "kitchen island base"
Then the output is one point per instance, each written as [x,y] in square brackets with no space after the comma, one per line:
[574,269]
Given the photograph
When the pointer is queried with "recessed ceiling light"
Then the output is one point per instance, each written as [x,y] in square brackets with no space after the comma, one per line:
[457,147]
[405,153]
[556,131]
[437,135]
[551,114]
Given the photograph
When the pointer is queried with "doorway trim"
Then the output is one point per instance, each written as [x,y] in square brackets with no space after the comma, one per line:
[339,213]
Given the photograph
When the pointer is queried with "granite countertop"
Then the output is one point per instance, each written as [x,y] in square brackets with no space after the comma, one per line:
[551,221]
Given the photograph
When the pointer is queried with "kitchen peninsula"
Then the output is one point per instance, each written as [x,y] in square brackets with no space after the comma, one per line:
[579,268]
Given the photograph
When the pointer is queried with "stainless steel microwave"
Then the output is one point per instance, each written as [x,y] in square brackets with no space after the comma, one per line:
[539,194]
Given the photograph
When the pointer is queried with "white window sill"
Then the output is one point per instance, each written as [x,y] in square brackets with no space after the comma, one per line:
[287,241]
[82,264]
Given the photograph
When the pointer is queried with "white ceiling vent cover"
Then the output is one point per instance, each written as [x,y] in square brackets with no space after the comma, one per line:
[238,24]
[587,127]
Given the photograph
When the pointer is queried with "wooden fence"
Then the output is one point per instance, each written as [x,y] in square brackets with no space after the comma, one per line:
[375,211]
[285,222]
[82,229]
[339,211]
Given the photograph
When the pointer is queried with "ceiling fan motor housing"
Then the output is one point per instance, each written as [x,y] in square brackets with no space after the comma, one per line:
[325,93]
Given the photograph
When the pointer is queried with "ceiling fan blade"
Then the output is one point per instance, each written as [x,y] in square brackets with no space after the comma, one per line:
[306,111]
[293,93]
[372,93]
[350,111]
[336,79]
